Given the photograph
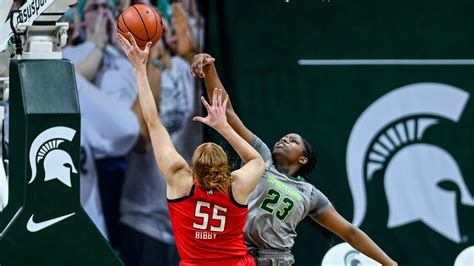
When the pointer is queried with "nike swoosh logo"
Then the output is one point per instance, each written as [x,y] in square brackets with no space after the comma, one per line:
[35,227]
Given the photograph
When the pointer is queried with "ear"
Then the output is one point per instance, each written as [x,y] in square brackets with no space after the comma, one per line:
[303,160]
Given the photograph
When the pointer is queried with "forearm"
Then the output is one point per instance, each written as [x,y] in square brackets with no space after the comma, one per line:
[154,78]
[145,97]
[184,44]
[89,66]
[212,81]
[166,156]
[360,241]
[240,145]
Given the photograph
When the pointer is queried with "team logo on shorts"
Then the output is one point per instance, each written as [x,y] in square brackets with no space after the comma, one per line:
[57,163]
[389,139]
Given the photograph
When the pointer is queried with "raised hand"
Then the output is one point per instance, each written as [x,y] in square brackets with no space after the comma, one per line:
[216,117]
[137,56]
[98,33]
[199,62]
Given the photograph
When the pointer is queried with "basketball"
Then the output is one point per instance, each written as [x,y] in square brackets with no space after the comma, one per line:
[143,21]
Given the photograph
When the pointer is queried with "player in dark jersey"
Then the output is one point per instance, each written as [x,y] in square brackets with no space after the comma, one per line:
[207,203]
[283,198]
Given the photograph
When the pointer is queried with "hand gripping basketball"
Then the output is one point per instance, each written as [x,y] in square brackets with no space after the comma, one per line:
[143,22]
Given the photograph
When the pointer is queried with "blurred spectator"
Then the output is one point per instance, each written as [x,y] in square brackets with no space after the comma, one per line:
[189,27]
[121,5]
[4,187]
[147,237]
[107,128]
[147,233]
[4,63]
[4,115]
[98,60]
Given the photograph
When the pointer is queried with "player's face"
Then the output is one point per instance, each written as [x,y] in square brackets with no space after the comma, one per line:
[291,147]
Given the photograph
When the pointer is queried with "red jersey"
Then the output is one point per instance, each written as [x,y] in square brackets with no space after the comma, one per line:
[208,228]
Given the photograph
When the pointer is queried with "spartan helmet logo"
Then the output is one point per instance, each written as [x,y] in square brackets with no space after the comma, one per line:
[344,255]
[466,257]
[388,136]
[57,163]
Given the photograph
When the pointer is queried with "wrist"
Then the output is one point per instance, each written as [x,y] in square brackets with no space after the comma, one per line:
[140,69]
[223,129]
[208,68]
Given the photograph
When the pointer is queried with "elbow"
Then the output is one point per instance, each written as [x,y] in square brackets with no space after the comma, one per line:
[260,164]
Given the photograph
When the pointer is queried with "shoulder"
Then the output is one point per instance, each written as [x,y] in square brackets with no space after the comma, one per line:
[180,184]
[318,201]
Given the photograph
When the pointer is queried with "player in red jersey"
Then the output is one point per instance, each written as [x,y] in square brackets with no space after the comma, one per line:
[207,203]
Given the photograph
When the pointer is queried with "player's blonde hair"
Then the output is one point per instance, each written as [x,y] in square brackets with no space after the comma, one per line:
[210,168]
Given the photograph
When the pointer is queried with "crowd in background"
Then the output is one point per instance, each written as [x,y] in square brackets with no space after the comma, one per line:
[122,189]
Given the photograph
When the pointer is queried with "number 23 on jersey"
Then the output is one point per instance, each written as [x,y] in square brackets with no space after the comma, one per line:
[272,199]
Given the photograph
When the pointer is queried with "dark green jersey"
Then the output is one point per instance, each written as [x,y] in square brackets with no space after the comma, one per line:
[278,204]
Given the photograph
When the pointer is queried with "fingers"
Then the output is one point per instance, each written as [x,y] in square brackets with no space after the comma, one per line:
[209,60]
[123,42]
[226,100]
[200,71]
[199,62]
[206,105]
[100,23]
[219,98]
[206,60]
[194,66]
[147,47]
[132,39]
[199,119]
[214,97]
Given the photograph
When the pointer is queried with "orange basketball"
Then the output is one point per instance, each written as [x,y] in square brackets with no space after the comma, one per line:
[143,21]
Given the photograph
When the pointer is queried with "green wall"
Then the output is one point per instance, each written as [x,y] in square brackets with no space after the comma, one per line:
[257,45]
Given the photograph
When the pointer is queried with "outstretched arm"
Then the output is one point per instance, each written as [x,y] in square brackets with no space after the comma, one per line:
[333,221]
[203,67]
[247,177]
[170,162]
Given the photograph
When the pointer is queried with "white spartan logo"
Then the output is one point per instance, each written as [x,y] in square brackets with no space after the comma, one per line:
[344,254]
[57,162]
[388,135]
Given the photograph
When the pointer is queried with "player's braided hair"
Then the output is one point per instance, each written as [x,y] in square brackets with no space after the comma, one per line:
[210,168]
[308,167]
